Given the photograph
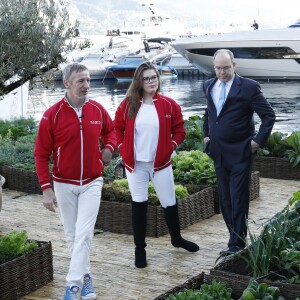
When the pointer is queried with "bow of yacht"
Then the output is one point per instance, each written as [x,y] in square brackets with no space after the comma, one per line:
[259,54]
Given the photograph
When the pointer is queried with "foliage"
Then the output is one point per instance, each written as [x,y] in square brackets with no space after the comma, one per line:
[33,34]
[193,167]
[260,254]
[215,290]
[282,145]
[293,155]
[260,291]
[118,190]
[19,153]
[18,127]
[290,261]
[276,250]
[109,171]
[275,145]
[15,244]
[194,139]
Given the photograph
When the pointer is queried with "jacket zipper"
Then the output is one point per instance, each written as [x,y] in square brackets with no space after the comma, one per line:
[81,150]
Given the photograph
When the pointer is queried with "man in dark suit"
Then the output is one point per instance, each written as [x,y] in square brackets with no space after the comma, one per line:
[231,140]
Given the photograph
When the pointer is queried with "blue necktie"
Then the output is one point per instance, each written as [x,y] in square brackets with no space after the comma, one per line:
[221,98]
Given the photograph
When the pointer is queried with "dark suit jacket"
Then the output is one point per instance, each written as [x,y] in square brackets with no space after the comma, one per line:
[231,132]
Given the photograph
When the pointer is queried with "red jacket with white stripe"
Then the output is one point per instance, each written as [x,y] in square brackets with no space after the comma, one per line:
[73,142]
[171,131]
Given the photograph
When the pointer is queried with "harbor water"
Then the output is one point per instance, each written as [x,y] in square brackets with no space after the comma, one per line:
[284,96]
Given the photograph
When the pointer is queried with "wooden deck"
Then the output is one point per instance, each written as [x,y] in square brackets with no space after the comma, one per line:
[114,274]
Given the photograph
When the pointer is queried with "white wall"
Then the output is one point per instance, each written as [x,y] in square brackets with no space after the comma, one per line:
[14,104]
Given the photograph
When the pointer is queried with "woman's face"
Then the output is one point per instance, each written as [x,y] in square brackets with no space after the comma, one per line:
[150,82]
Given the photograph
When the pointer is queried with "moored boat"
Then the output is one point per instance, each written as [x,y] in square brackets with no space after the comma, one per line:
[259,54]
[125,71]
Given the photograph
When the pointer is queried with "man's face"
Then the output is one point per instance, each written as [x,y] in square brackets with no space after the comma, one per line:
[78,85]
[224,67]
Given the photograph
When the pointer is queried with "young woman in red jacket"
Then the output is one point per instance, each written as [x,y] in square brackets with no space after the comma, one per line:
[149,127]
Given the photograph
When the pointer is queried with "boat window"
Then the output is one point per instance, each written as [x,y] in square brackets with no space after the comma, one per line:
[250,53]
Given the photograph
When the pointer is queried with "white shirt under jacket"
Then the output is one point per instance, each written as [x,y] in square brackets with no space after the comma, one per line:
[216,90]
[146,133]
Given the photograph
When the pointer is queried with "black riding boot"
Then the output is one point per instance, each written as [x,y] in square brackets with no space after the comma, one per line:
[139,225]
[172,220]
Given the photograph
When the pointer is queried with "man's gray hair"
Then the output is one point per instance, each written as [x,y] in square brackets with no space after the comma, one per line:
[74,67]
[224,51]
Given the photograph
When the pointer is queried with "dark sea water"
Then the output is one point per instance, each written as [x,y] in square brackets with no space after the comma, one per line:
[283,96]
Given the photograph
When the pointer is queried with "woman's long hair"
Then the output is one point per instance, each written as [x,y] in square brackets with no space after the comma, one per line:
[135,90]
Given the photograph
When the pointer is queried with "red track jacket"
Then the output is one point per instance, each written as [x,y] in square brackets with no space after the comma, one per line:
[171,131]
[74,143]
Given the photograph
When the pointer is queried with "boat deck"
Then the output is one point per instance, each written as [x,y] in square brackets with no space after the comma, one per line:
[114,274]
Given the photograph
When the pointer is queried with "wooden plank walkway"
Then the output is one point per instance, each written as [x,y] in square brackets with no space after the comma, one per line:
[114,274]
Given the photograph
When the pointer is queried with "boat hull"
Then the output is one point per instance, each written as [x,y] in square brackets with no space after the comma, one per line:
[126,71]
[273,54]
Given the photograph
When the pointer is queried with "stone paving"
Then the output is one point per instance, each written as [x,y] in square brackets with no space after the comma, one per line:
[114,274]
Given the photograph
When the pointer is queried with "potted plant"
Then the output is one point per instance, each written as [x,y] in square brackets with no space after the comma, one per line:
[25,265]
[280,157]
[272,256]
[115,208]
[195,169]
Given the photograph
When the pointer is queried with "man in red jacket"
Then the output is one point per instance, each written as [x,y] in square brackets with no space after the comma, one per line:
[70,133]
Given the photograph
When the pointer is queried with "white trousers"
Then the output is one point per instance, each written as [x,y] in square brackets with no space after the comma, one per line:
[78,208]
[163,182]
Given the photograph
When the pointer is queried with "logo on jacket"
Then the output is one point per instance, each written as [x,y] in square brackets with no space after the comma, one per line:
[95,122]
[168,116]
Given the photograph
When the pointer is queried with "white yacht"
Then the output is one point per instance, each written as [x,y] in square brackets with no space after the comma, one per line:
[259,54]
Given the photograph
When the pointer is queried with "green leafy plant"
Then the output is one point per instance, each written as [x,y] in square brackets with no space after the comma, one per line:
[276,249]
[194,167]
[280,144]
[18,127]
[194,134]
[15,244]
[19,153]
[293,155]
[109,171]
[275,145]
[260,291]
[213,291]
[118,190]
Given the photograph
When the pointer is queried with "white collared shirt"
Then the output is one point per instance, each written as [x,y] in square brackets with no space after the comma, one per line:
[216,90]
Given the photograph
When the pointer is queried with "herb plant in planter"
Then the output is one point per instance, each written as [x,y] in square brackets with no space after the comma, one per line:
[194,167]
[215,290]
[280,157]
[15,244]
[272,255]
[25,265]
[118,190]
[115,208]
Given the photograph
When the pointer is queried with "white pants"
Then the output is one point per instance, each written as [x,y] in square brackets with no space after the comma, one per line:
[78,208]
[162,180]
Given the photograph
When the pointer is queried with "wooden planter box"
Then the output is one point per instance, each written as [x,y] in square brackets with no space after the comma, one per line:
[20,180]
[27,273]
[116,216]
[195,283]
[233,272]
[276,167]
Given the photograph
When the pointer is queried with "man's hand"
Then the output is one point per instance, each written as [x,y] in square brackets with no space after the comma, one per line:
[206,139]
[106,156]
[49,199]
[254,146]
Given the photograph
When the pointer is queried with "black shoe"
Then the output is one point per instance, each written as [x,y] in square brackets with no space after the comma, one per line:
[172,220]
[140,258]
[231,250]
[187,245]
